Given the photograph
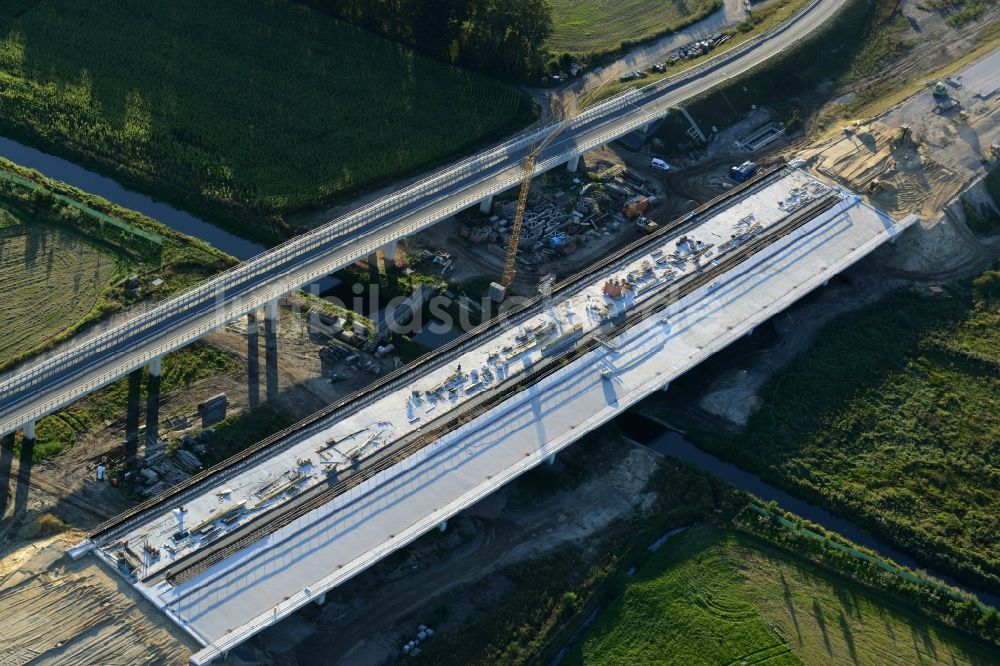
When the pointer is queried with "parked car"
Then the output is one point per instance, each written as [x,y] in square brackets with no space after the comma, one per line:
[659,165]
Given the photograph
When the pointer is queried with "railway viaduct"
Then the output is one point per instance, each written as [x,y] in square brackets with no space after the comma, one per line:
[135,344]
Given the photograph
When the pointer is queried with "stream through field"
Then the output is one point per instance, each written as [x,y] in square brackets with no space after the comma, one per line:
[178,220]
[670,443]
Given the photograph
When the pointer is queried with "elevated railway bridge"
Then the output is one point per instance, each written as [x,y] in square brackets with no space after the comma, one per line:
[140,339]
[246,543]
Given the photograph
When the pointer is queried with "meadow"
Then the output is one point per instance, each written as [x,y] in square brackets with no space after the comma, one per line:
[65,256]
[596,27]
[237,110]
[892,419]
[43,264]
[714,596]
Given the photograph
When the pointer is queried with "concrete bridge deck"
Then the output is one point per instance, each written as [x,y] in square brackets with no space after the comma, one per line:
[54,381]
[273,554]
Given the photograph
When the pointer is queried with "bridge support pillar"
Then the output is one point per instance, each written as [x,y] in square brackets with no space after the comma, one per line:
[132,415]
[271,348]
[750,332]
[253,359]
[442,526]
[665,387]
[645,128]
[153,401]
[550,459]
[28,431]
[573,164]
[389,251]
[826,282]
[486,204]
[321,599]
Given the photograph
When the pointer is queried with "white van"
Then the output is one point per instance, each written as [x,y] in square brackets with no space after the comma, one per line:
[659,164]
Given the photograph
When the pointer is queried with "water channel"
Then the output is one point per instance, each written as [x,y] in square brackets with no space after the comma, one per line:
[88,181]
[670,443]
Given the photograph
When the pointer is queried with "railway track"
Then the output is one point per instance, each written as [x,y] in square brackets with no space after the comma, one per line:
[318,496]
[117,526]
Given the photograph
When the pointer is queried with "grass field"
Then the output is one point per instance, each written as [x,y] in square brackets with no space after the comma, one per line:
[196,361]
[892,418]
[595,27]
[61,270]
[43,264]
[234,109]
[712,596]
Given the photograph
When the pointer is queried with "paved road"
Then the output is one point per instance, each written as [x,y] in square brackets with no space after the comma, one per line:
[57,381]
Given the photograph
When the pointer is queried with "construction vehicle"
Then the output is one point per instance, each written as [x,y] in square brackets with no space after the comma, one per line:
[498,291]
[902,136]
[647,225]
[742,172]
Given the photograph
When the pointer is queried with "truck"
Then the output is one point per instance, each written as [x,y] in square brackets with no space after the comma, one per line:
[743,172]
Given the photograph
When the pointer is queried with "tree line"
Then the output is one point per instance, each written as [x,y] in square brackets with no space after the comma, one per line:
[501,38]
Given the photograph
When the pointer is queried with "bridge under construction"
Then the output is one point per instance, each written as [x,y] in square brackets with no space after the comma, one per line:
[248,542]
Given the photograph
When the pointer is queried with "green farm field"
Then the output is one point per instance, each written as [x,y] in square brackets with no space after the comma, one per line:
[52,279]
[235,109]
[713,596]
[595,27]
[65,256]
[892,419]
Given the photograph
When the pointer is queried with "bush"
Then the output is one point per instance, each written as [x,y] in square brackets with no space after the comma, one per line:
[48,525]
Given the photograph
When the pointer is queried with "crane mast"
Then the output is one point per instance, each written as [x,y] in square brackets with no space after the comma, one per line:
[528,167]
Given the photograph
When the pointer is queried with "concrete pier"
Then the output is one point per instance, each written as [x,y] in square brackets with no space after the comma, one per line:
[271,348]
[573,164]
[253,359]
[28,431]
[153,401]
[486,205]
[132,415]
[389,252]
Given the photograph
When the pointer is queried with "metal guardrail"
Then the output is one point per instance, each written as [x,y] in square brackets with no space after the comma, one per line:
[214,288]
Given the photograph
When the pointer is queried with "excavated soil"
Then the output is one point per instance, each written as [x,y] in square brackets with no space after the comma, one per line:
[57,611]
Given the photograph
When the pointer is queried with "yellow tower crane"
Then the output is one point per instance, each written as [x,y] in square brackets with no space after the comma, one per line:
[528,167]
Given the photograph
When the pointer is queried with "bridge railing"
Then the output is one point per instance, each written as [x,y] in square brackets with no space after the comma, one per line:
[148,316]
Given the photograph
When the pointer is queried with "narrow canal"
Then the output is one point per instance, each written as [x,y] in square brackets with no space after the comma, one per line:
[667,442]
[178,220]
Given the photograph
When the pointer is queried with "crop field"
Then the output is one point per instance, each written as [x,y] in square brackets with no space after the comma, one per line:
[892,418]
[65,256]
[52,279]
[712,596]
[595,27]
[235,108]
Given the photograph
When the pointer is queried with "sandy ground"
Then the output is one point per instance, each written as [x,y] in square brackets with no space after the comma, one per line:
[369,618]
[57,611]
